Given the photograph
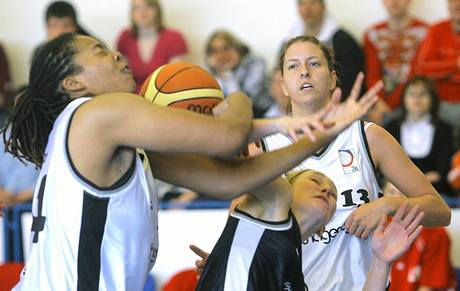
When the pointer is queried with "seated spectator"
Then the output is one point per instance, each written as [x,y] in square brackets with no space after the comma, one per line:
[5,87]
[281,101]
[426,265]
[348,54]
[148,44]
[453,177]
[17,179]
[426,138]
[439,59]
[60,18]
[237,69]
[390,47]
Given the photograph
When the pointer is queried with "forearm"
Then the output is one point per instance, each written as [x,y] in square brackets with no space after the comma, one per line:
[229,179]
[263,127]
[239,120]
[378,275]
[437,213]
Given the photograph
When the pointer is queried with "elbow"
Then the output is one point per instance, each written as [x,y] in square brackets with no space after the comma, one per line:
[446,216]
[235,137]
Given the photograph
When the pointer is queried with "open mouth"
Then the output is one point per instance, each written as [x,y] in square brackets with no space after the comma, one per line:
[306,86]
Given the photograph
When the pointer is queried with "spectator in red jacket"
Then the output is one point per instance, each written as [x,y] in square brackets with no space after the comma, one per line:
[439,59]
[390,47]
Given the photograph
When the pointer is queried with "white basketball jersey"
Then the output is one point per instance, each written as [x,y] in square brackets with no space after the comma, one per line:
[85,237]
[338,260]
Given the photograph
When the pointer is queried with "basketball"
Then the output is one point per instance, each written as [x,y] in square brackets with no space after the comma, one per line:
[183,85]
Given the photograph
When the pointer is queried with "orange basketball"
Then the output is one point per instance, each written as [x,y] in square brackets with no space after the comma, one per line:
[183,85]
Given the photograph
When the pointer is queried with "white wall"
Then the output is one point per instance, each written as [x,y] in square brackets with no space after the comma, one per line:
[260,23]
[180,228]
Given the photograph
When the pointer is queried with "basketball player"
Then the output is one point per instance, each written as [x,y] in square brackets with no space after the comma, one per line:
[94,211]
[260,247]
[339,258]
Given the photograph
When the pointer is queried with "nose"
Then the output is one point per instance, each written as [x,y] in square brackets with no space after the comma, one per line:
[304,73]
[326,189]
[117,56]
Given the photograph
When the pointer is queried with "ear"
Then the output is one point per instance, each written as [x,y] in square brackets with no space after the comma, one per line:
[72,84]
[333,81]
[283,87]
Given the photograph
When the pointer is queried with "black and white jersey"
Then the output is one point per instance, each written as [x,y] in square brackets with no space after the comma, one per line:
[85,237]
[337,260]
[253,254]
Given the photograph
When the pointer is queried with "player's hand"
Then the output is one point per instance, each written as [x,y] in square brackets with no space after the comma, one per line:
[293,126]
[352,109]
[363,220]
[200,263]
[391,241]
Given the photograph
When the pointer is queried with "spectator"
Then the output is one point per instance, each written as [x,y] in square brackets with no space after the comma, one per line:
[426,265]
[281,101]
[453,177]
[425,137]
[237,69]
[60,18]
[148,44]
[5,87]
[348,54]
[439,59]
[17,180]
[390,48]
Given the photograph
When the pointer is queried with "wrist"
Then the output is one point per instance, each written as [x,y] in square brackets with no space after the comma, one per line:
[388,205]
[378,266]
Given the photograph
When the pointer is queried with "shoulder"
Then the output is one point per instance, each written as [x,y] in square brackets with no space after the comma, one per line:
[418,22]
[441,26]
[378,138]
[343,36]
[126,34]
[171,34]
[377,26]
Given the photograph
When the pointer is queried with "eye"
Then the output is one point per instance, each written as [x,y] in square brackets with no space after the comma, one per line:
[315,64]
[316,181]
[292,66]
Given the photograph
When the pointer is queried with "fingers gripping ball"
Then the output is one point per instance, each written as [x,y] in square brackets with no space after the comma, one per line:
[183,85]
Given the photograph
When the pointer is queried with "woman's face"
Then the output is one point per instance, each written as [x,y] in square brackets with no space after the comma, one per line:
[314,201]
[307,79]
[56,26]
[223,54]
[103,71]
[417,99]
[311,11]
[144,15]
[396,8]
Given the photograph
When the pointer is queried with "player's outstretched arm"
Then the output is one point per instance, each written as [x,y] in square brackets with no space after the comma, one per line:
[390,242]
[354,106]
[229,179]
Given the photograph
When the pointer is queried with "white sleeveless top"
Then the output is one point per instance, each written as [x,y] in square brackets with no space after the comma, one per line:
[338,260]
[86,237]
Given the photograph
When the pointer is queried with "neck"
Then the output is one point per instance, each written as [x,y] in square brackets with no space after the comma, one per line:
[308,109]
[147,32]
[416,116]
[308,227]
[313,29]
[399,22]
